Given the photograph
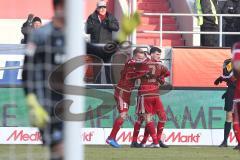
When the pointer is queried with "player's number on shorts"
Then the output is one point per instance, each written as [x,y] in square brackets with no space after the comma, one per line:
[125,105]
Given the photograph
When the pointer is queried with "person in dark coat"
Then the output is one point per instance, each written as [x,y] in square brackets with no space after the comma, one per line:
[232,23]
[208,23]
[100,26]
[26,28]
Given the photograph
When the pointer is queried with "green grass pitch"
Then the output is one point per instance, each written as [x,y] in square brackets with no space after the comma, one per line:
[100,152]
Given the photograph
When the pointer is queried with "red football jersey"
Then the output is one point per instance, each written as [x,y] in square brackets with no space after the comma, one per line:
[237,89]
[150,84]
[131,71]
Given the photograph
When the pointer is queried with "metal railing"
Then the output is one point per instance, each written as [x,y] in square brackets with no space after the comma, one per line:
[161,32]
[121,50]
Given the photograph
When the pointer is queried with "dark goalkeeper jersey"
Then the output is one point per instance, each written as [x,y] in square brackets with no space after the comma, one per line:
[227,71]
[44,54]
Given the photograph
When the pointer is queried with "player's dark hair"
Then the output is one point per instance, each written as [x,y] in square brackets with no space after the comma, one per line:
[155,49]
[36,19]
[57,2]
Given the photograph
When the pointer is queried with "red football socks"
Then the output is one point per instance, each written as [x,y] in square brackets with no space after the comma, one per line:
[160,127]
[116,126]
[152,131]
[145,137]
[136,130]
[236,128]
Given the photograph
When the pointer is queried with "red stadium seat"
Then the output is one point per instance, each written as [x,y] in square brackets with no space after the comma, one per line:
[152,23]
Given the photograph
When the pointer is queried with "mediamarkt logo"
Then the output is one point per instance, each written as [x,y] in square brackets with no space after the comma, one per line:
[179,137]
[19,135]
[87,136]
[173,137]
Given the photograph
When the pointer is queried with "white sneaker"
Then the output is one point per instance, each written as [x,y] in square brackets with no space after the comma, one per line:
[143,146]
[153,146]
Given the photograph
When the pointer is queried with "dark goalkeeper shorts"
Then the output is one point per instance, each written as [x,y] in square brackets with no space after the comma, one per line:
[228,96]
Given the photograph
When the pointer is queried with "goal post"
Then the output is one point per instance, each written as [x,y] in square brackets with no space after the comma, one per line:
[75,46]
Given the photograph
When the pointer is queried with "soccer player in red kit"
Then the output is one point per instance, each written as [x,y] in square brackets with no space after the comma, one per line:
[236,101]
[149,102]
[122,94]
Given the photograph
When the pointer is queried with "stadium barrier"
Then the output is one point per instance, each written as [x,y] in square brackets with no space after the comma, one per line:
[97,136]
[161,32]
[193,106]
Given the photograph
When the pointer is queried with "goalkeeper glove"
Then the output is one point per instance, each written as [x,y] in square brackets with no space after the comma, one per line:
[218,80]
[38,115]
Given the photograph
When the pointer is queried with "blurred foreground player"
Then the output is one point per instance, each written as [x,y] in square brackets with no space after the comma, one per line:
[123,90]
[149,102]
[44,54]
[236,101]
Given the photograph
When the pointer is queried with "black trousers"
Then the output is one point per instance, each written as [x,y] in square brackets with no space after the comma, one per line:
[231,39]
[210,40]
[107,73]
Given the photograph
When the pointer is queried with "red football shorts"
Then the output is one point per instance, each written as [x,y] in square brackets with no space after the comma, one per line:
[122,99]
[149,104]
